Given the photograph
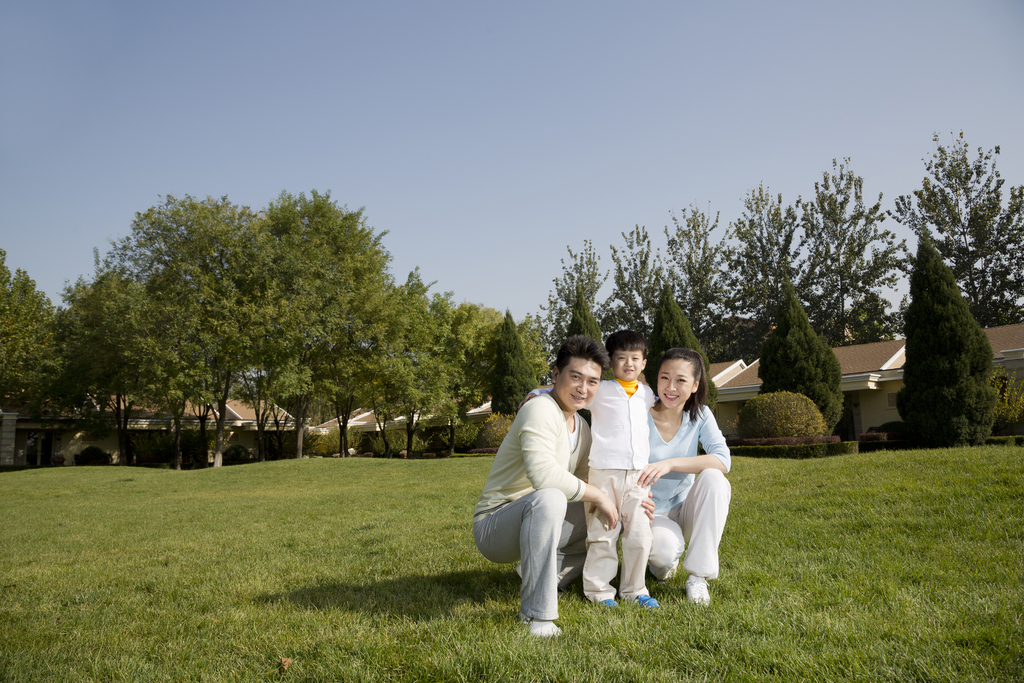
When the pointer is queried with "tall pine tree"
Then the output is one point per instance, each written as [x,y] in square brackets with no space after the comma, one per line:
[794,358]
[946,398]
[513,377]
[672,330]
[582,320]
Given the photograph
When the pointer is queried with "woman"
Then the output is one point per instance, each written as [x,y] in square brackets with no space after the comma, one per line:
[691,493]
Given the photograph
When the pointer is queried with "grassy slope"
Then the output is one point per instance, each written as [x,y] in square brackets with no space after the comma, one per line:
[878,566]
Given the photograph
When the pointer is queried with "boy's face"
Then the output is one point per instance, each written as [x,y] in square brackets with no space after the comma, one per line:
[627,365]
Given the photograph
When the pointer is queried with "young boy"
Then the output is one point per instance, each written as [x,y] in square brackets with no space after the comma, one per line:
[619,452]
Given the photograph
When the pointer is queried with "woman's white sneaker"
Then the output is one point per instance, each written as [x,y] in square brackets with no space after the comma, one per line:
[697,590]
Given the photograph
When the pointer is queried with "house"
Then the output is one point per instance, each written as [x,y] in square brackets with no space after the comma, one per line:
[872,376]
[29,440]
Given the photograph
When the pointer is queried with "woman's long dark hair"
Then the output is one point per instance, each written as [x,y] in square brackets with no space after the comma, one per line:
[699,398]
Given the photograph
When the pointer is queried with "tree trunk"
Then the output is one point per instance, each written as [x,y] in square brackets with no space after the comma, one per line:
[177,442]
[204,460]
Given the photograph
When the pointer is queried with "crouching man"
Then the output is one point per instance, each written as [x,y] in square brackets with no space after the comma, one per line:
[531,509]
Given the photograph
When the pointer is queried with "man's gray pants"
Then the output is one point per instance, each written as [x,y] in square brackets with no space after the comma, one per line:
[548,536]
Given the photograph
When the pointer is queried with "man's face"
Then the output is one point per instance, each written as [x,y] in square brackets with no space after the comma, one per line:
[627,365]
[576,384]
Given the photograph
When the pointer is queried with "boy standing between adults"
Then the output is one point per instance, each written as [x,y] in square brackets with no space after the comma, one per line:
[532,505]
[621,450]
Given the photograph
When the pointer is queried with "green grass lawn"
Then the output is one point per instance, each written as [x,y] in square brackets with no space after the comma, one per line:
[882,566]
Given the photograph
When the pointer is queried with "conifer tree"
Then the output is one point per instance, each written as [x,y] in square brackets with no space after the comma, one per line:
[513,377]
[671,329]
[582,320]
[794,358]
[946,398]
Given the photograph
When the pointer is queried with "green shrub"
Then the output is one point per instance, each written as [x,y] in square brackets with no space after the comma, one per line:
[899,445]
[495,429]
[465,436]
[319,443]
[798,451]
[237,453]
[895,426]
[780,413]
[92,455]
[1017,440]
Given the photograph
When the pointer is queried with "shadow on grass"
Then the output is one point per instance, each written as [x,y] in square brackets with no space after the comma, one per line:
[419,598]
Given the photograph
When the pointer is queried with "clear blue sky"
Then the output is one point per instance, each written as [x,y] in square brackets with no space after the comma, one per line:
[484,137]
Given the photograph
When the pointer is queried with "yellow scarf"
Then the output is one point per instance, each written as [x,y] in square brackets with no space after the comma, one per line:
[630,387]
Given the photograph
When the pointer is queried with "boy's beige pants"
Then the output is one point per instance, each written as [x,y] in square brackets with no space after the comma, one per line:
[602,544]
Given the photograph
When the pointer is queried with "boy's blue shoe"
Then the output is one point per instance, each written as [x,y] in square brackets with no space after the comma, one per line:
[609,603]
[646,601]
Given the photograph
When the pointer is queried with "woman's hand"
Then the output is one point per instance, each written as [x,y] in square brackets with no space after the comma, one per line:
[654,471]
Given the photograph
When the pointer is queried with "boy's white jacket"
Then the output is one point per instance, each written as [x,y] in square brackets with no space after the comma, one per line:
[621,435]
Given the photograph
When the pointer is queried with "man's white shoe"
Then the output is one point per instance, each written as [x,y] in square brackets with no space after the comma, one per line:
[542,629]
[697,590]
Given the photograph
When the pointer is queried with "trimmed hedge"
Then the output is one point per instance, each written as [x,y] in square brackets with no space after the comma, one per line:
[782,441]
[881,436]
[895,445]
[1005,440]
[797,451]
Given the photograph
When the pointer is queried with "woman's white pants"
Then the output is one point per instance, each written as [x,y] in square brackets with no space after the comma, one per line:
[696,526]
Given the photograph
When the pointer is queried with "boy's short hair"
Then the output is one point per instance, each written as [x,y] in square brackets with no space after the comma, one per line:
[582,346]
[626,340]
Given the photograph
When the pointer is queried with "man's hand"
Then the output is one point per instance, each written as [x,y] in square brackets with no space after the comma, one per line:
[607,508]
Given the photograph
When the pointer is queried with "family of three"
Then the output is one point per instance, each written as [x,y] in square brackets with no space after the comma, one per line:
[560,493]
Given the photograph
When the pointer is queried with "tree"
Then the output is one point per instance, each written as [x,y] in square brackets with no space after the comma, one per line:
[101,339]
[695,270]
[26,317]
[672,330]
[513,377]
[849,259]
[333,272]
[946,399]
[470,356]
[959,207]
[196,258]
[582,321]
[763,254]
[798,360]
[638,275]
[584,273]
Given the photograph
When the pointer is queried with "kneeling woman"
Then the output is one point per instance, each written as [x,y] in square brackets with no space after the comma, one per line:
[691,493]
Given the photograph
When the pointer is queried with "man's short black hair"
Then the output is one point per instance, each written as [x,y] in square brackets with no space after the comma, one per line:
[626,340]
[582,346]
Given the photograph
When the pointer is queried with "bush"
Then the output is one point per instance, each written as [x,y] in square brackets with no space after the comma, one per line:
[237,454]
[92,455]
[495,430]
[798,451]
[780,413]
[880,436]
[895,427]
[896,445]
[319,443]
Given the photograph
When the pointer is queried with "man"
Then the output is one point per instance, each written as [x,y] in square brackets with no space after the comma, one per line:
[531,508]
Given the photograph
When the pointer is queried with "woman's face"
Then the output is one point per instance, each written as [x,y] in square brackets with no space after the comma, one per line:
[676,382]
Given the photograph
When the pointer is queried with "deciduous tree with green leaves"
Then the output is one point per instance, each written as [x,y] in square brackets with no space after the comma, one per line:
[763,253]
[946,399]
[849,260]
[672,330]
[582,321]
[796,359]
[695,269]
[638,274]
[960,207]
[582,272]
[26,317]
